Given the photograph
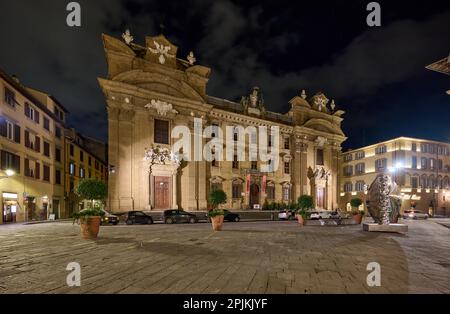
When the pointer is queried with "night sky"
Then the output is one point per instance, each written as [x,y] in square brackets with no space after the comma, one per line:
[377,75]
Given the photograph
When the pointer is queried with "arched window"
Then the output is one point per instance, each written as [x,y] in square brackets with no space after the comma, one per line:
[348,187]
[359,186]
[270,190]
[236,189]
[423,181]
[286,193]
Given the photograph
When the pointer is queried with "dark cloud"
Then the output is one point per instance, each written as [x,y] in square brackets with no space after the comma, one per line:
[282,47]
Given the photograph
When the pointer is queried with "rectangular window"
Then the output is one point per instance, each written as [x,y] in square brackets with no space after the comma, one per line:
[235,162]
[287,168]
[46,149]
[57,176]
[236,190]
[348,187]
[71,150]
[320,161]
[46,124]
[9,130]
[381,164]
[46,173]
[359,155]
[270,190]
[72,168]
[10,97]
[161,131]
[414,162]
[286,143]
[32,169]
[96,165]
[58,154]
[348,171]
[348,157]
[286,193]
[58,132]
[414,182]
[10,161]
[414,147]
[254,165]
[360,168]
[81,156]
[423,163]
[89,161]
[81,172]
[381,150]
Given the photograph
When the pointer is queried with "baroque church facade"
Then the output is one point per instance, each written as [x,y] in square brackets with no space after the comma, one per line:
[150,90]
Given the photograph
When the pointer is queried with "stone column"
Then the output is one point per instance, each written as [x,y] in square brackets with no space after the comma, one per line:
[125,177]
[174,190]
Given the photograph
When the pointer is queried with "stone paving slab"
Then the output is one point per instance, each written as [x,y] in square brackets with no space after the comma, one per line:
[246,257]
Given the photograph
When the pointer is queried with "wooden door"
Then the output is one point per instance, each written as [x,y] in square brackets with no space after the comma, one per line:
[162,192]
[320,198]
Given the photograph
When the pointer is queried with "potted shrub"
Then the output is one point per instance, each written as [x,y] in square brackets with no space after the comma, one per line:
[356,213]
[304,203]
[215,199]
[89,219]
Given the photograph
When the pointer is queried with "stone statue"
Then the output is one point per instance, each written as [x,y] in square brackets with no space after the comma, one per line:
[383,207]
[127,37]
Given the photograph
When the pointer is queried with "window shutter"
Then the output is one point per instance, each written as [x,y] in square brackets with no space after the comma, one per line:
[3,130]
[36,116]
[16,133]
[27,138]
[3,159]
[17,164]
[38,171]
[38,144]
[27,167]
[27,109]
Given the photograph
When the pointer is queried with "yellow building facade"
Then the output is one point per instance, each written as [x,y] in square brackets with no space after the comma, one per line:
[81,163]
[421,168]
[31,159]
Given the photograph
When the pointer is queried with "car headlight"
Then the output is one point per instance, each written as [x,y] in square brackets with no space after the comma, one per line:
[411,215]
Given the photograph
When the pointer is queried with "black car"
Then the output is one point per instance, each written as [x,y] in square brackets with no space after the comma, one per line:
[172,216]
[229,216]
[138,217]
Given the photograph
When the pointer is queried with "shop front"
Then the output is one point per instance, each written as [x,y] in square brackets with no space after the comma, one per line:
[10,207]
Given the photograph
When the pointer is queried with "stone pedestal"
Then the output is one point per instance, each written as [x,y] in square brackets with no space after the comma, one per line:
[393,228]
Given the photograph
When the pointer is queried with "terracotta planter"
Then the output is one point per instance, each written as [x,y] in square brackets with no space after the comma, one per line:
[90,226]
[217,222]
[357,219]
[300,219]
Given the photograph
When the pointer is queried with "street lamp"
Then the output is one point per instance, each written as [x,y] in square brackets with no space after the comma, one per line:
[9,173]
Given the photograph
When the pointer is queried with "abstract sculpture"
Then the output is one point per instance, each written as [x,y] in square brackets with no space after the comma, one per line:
[383,206]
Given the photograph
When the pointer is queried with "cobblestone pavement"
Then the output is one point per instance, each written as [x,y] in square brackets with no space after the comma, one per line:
[246,257]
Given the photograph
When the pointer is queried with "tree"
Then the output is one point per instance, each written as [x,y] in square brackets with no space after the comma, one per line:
[216,198]
[356,202]
[91,189]
[305,202]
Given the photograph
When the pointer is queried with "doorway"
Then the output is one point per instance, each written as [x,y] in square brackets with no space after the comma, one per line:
[254,195]
[162,192]
[320,198]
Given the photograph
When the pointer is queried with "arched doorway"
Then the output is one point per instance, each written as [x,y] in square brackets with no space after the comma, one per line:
[254,195]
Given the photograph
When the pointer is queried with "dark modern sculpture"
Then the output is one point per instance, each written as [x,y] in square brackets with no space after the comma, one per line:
[384,205]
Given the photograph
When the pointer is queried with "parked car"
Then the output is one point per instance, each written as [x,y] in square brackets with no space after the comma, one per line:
[137,217]
[229,216]
[414,214]
[286,215]
[321,214]
[172,216]
[109,219]
[335,215]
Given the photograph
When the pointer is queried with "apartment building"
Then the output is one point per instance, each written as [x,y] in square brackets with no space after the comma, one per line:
[85,158]
[420,167]
[31,151]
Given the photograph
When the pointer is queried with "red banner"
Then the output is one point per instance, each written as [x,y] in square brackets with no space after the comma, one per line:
[249,178]
[264,183]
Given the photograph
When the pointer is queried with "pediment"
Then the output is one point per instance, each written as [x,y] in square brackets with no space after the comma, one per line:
[323,126]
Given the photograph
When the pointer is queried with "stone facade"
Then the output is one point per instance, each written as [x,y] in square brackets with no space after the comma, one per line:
[149,89]
[421,168]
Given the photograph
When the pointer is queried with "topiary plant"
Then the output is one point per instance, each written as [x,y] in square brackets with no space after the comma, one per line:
[356,202]
[91,189]
[305,202]
[216,198]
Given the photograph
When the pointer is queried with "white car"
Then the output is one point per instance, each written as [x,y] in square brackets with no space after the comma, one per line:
[414,214]
[321,214]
